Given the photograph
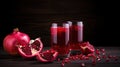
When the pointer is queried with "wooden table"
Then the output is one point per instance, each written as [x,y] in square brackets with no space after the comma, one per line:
[10,61]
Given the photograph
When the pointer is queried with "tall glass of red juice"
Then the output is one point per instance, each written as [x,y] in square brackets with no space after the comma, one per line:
[60,38]
[76,35]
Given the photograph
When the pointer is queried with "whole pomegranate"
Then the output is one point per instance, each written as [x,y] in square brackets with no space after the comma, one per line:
[12,40]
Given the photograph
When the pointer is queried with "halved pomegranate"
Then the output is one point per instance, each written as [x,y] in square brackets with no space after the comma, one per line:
[31,50]
[86,48]
[47,56]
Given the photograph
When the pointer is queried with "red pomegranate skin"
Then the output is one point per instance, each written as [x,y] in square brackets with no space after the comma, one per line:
[12,40]
[47,56]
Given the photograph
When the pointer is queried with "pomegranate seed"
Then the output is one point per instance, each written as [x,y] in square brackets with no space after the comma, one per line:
[102,50]
[77,57]
[103,53]
[86,58]
[82,57]
[97,51]
[98,58]
[58,59]
[63,64]
[82,64]
[66,60]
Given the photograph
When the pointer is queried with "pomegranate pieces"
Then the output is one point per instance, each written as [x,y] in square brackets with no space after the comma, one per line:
[31,49]
[47,55]
[34,49]
[86,48]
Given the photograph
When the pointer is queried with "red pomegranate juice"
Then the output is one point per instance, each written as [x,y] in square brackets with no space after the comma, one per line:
[60,39]
[76,35]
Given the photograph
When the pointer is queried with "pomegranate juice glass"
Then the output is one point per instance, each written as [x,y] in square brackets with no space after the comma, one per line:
[76,35]
[60,38]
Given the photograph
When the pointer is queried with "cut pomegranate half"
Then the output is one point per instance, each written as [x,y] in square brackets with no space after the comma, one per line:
[86,48]
[47,56]
[31,50]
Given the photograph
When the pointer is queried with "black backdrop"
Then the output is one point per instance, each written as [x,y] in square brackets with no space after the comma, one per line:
[34,17]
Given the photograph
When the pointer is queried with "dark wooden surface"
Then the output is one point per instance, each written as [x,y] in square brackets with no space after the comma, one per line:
[34,17]
[11,61]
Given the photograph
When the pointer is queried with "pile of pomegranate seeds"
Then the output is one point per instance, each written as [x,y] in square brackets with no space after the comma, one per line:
[98,55]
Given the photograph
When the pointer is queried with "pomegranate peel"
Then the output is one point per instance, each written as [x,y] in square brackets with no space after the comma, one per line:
[47,56]
[86,48]
[31,49]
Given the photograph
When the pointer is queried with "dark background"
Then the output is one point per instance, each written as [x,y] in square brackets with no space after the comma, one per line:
[34,17]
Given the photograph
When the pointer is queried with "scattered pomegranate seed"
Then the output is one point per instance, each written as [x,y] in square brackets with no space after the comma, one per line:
[96,56]
[82,64]
[97,51]
[63,64]
[58,59]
